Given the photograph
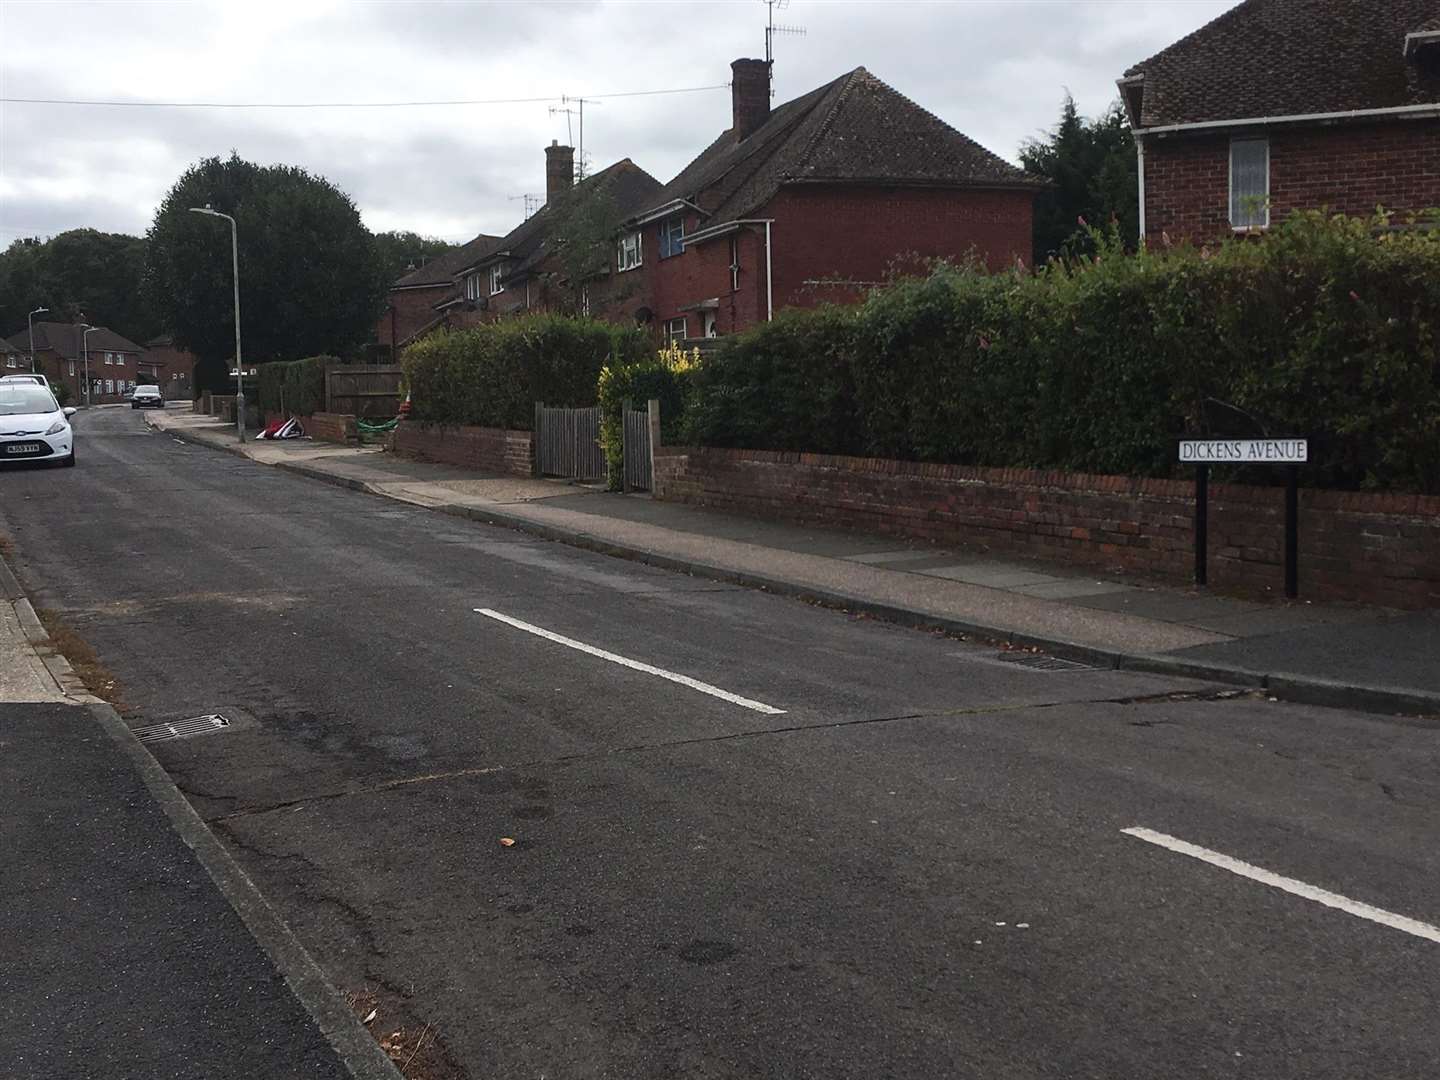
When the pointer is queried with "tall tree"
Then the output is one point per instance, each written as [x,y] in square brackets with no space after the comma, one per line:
[582,240]
[311,281]
[1091,168]
[82,273]
[398,250]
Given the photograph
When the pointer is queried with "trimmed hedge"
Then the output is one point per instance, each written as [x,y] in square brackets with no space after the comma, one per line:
[1326,328]
[492,375]
[296,387]
[664,376]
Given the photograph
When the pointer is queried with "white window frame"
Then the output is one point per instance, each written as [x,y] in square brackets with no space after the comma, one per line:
[472,286]
[670,335]
[72,369]
[109,386]
[629,253]
[668,239]
[1232,209]
[10,362]
[497,279]
[734,263]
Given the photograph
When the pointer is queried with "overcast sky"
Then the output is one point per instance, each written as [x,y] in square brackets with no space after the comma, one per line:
[994,69]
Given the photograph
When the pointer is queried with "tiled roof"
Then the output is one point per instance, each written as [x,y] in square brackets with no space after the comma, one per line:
[854,129]
[628,186]
[442,268]
[65,339]
[1268,58]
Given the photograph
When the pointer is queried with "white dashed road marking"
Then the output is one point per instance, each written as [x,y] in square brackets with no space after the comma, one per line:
[1289,885]
[623,661]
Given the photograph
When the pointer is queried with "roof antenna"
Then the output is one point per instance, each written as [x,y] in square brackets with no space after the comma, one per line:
[770,31]
[579,111]
[533,202]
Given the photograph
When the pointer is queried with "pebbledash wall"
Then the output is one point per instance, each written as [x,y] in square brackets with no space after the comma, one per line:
[486,449]
[1349,168]
[1376,548]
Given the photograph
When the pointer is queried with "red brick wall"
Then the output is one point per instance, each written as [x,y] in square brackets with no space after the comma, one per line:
[485,449]
[175,370]
[1382,549]
[1349,168]
[328,427]
[413,310]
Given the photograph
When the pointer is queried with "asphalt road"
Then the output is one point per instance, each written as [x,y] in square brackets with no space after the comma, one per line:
[915,870]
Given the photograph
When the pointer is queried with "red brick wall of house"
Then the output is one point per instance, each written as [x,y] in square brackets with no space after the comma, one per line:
[1375,548]
[125,367]
[1349,168]
[175,370]
[485,449]
[850,233]
[413,310]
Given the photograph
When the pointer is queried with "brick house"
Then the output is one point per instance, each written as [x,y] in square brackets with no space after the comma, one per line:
[429,296]
[14,359]
[172,367]
[61,353]
[523,271]
[1288,104]
[816,201]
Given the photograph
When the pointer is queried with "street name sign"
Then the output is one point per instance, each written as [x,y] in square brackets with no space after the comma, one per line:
[1244,451]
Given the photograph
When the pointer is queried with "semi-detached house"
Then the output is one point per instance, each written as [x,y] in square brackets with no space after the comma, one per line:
[63,353]
[816,200]
[1280,105]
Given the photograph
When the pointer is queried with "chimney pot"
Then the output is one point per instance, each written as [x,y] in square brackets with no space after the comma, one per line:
[749,96]
[559,170]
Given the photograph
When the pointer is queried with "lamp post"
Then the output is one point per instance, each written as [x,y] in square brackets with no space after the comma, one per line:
[85,349]
[239,361]
[30,322]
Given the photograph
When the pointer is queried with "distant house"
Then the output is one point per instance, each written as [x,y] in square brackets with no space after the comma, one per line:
[816,200]
[63,353]
[172,367]
[13,356]
[423,298]
[524,272]
[1285,104]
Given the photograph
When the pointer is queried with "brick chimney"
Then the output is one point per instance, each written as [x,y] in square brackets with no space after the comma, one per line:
[559,170]
[749,96]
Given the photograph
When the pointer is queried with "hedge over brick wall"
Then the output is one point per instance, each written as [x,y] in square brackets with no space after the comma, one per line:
[295,387]
[492,375]
[1327,328]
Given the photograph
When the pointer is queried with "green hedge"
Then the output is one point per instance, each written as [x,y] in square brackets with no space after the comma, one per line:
[493,375]
[665,376]
[296,387]
[1326,328]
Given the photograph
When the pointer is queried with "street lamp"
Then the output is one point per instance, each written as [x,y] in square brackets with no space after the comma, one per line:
[85,349]
[239,362]
[30,322]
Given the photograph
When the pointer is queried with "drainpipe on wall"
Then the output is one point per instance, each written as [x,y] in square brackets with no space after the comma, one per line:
[769,279]
[1140,163]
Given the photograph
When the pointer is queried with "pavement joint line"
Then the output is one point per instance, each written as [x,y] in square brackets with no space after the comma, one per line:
[1403,706]
[1288,884]
[634,665]
[1176,696]
[357,1050]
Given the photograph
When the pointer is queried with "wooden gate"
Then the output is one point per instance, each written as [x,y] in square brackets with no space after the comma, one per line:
[567,443]
[369,391]
[637,449]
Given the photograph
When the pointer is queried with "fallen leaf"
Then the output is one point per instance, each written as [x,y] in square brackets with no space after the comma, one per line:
[372,1015]
[506,841]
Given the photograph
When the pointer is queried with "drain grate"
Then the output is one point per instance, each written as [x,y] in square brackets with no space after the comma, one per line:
[1041,662]
[196,725]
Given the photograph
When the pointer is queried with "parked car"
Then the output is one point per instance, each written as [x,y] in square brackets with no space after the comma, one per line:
[147,397]
[32,425]
[28,377]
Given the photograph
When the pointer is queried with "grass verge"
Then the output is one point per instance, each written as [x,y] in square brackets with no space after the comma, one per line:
[86,665]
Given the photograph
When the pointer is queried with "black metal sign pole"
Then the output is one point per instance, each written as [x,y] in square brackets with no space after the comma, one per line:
[1292,530]
[1202,515]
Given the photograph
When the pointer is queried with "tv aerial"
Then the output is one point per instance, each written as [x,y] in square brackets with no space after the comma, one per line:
[579,113]
[772,28]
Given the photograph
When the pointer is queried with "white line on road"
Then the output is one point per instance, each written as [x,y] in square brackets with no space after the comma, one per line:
[1290,885]
[624,661]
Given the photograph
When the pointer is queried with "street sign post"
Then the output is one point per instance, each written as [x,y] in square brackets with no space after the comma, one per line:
[1292,453]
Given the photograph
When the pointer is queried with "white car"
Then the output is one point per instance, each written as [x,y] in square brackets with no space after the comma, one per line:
[32,426]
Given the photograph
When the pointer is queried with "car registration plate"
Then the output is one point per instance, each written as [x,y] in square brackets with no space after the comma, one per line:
[22,447]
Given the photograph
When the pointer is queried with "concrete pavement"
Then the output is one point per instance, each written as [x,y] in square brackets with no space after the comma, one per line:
[911,861]
[1343,655]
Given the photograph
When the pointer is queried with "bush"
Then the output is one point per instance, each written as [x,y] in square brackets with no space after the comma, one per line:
[1326,328]
[665,376]
[493,375]
[295,388]
[62,393]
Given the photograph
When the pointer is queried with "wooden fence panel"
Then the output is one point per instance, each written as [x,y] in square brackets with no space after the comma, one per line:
[370,391]
[567,443]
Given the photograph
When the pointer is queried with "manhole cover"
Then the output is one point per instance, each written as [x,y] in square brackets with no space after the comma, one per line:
[1041,662]
[179,729]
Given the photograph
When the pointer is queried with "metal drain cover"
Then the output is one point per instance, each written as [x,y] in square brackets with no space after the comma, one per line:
[1041,662]
[179,729]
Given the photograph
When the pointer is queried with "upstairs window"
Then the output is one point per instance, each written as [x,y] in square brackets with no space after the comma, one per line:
[472,286]
[497,279]
[672,236]
[734,264]
[627,252]
[1250,183]
[10,362]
